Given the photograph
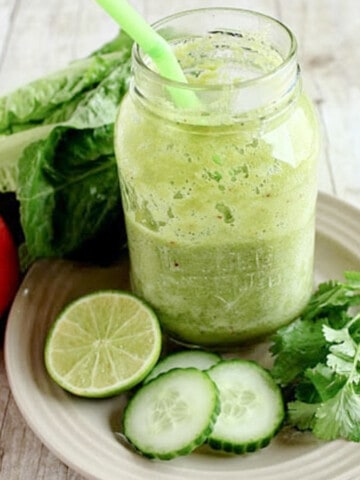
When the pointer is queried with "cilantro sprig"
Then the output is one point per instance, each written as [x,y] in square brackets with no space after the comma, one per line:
[317,362]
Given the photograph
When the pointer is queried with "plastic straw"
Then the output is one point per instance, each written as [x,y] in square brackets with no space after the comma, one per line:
[153,45]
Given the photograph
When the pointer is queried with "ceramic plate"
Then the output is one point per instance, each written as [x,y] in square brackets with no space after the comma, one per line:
[82,432]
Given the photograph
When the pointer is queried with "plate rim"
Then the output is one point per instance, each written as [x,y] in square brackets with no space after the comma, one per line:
[326,203]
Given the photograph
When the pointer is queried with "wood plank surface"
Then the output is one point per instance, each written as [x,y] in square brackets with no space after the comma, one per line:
[40,36]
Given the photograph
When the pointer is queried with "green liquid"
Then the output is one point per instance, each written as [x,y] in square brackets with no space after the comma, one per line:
[220,227]
[226,293]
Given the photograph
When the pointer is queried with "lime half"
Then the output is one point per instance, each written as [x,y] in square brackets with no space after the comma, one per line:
[102,344]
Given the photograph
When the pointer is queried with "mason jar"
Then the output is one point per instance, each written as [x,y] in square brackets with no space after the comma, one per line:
[219,191]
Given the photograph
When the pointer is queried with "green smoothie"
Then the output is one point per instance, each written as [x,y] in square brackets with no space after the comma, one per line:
[220,212]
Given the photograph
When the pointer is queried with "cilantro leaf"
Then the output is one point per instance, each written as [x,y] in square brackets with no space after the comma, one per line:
[354,329]
[339,417]
[301,414]
[302,344]
[352,279]
[344,353]
[336,416]
[325,382]
[336,412]
[317,362]
[297,347]
[329,296]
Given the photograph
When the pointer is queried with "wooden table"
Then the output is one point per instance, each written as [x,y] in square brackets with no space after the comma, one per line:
[40,36]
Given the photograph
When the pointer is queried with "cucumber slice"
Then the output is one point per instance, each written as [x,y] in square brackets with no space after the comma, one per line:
[199,359]
[172,414]
[252,407]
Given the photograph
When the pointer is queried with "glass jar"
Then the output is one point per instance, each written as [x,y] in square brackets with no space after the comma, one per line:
[219,195]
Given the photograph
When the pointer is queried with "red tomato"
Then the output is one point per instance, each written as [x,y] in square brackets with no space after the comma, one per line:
[9,267]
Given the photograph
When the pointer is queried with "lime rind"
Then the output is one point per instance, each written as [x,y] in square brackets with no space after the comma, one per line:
[102,357]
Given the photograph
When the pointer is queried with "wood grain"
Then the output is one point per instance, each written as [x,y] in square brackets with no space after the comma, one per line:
[40,36]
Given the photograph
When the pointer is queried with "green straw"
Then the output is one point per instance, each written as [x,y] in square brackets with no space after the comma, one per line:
[153,45]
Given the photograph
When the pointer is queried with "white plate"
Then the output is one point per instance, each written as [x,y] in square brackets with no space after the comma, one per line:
[81,432]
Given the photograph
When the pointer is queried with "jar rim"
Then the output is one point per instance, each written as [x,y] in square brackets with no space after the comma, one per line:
[138,54]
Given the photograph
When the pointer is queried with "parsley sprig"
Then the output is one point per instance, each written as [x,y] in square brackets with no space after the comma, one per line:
[317,362]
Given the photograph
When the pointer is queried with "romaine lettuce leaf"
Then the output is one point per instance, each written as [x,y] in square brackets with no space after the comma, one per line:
[69,190]
[37,100]
[57,156]
[11,148]
[85,95]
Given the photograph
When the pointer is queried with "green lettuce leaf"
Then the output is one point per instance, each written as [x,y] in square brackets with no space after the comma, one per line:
[84,95]
[99,106]
[69,191]
[57,156]
[37,100]
[11,148]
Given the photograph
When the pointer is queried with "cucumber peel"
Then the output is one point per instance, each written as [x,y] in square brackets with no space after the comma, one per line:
[252,408]
[200,359]
[172,414]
